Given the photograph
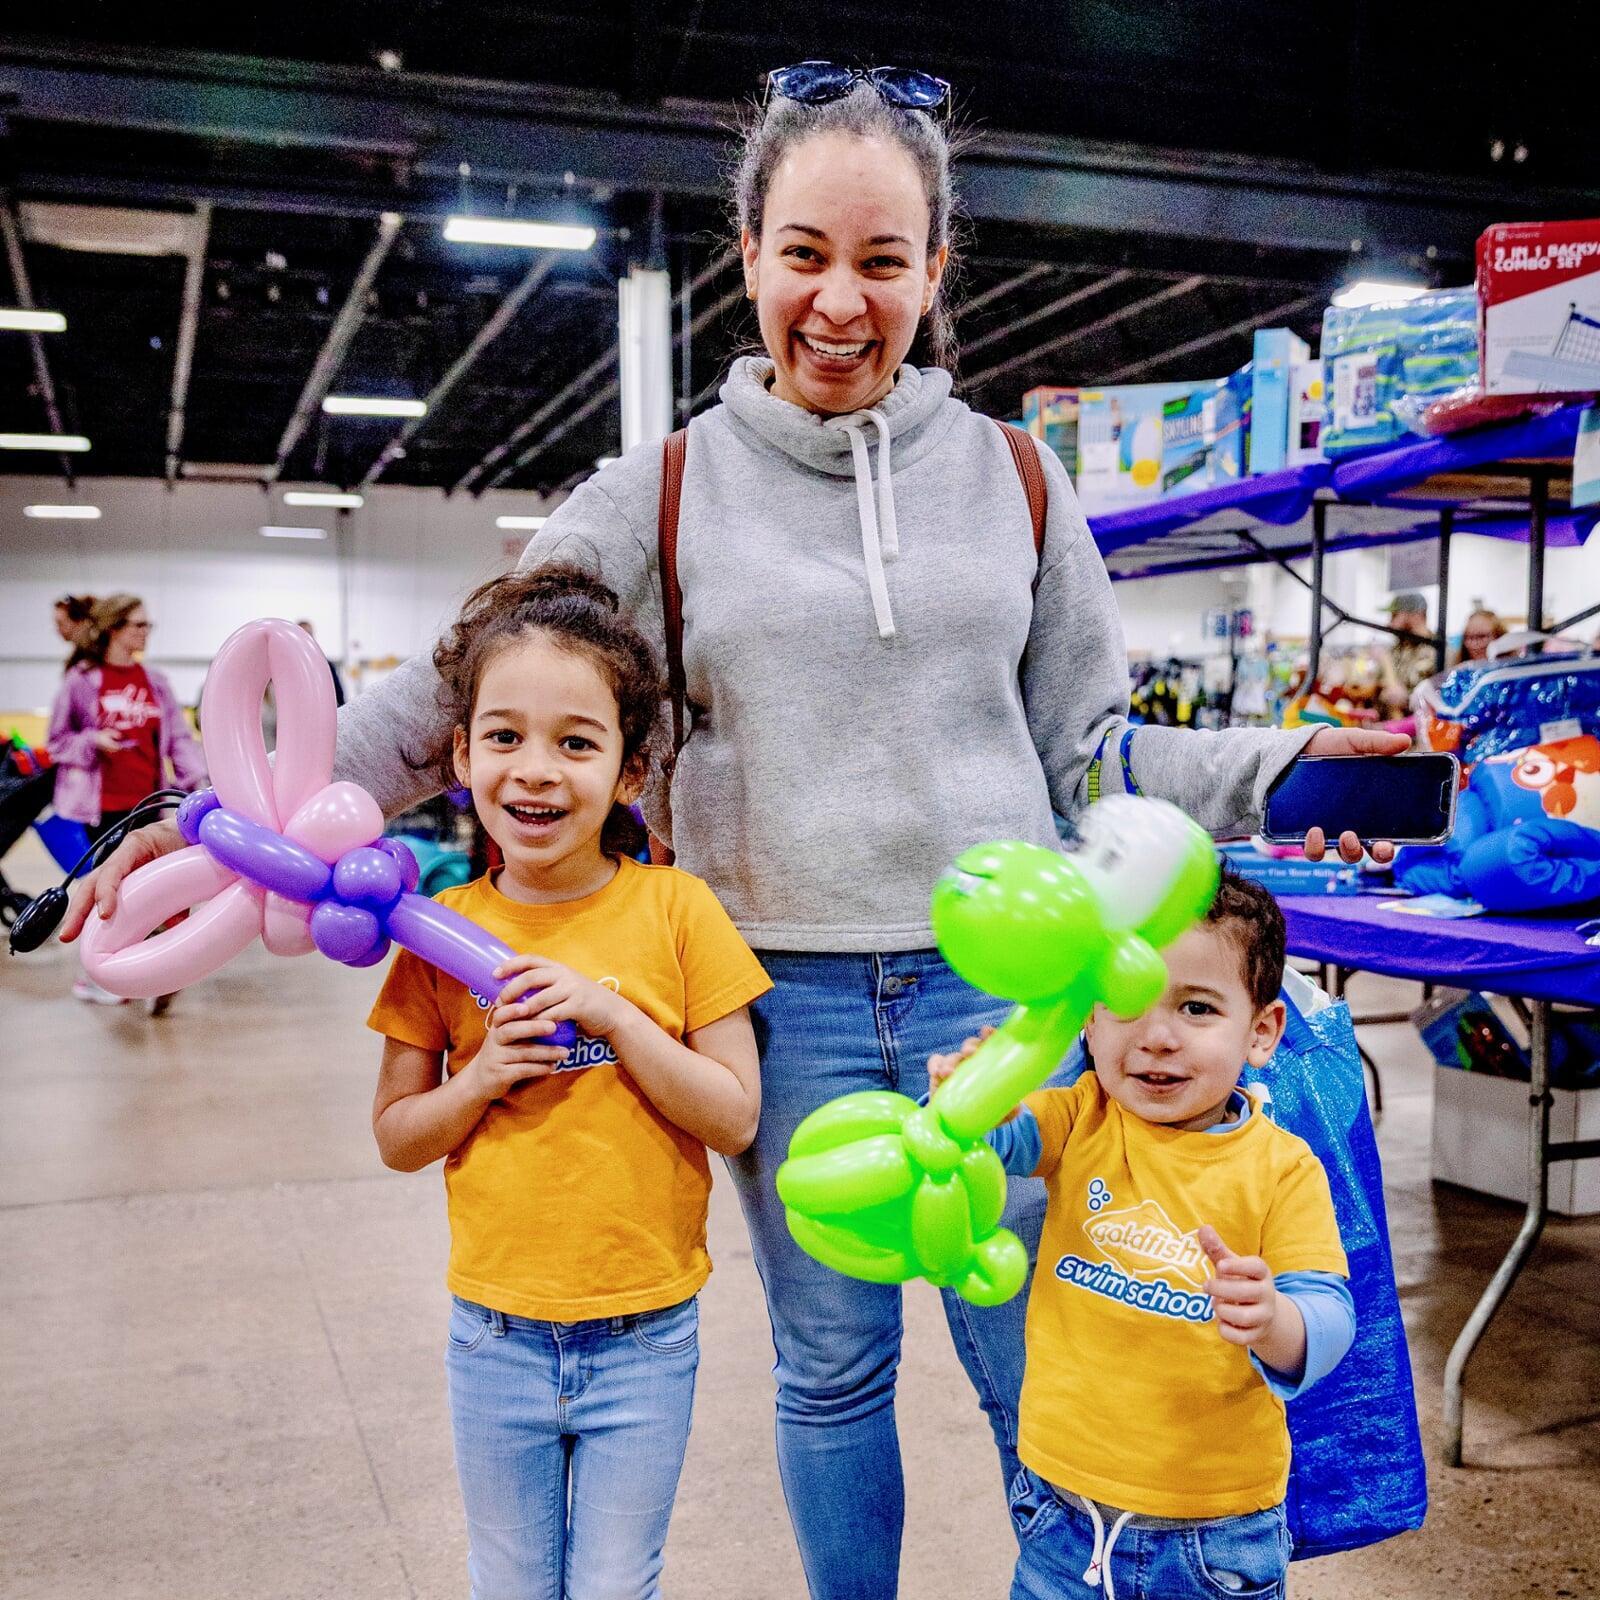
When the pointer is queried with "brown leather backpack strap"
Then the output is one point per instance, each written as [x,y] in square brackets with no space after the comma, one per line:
[1025,455]
[673,450]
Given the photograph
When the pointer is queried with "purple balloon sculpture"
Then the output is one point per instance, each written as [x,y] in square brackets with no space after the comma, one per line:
[365,899]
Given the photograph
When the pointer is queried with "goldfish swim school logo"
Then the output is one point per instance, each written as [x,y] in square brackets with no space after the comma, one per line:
[1142,1241]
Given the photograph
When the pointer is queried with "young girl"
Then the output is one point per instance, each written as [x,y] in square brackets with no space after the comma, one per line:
[577,1181]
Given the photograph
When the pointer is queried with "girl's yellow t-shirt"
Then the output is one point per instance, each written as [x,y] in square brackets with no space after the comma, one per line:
[574,1197]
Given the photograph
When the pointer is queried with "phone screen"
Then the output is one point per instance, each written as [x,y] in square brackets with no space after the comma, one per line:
[1403,798]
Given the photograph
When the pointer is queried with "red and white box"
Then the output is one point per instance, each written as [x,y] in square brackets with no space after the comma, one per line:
[1539,307]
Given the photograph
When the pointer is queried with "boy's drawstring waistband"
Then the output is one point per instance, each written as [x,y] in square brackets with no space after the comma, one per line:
[1098,1575]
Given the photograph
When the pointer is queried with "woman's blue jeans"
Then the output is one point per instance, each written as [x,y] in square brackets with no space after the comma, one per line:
[833,1024]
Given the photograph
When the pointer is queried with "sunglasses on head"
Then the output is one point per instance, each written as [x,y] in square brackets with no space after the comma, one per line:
[815,83]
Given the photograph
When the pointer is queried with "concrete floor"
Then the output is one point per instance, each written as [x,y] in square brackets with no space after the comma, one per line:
[221,1325]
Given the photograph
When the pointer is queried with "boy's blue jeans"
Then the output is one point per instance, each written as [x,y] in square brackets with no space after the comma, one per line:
[569,1440]
[833,1024]
[1149,1558]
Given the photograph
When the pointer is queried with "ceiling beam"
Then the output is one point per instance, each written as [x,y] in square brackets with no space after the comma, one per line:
[23,286]
[1088,330]
[565,426]
[329,358]
[188,326]
[504,315]
[596,369]
[1008,286]
[427,126]
[1052,308]
[1256,319]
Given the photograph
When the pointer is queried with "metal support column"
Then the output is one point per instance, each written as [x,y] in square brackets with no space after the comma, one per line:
[1538,519]
[1447,526]
[644,324]
[326,367]
[1319,541]
[1455,1369]
[11,232]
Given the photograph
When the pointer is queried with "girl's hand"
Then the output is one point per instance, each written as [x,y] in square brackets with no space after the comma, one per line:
[108,740]
[535,987]
[512,1052]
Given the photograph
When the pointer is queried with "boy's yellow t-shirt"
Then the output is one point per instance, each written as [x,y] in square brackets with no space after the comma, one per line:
[574,1197]
[1130,1396]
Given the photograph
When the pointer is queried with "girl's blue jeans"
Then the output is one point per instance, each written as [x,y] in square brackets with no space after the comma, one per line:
[833,1024]
[569,1440]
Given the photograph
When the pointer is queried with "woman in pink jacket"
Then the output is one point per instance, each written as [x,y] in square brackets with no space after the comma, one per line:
[117,731]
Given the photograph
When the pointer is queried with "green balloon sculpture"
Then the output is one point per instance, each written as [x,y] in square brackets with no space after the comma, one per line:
[880,1188]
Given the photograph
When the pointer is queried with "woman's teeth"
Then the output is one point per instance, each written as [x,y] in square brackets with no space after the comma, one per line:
[826,347]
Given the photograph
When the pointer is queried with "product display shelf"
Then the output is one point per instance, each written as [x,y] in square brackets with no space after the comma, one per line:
[1540,960]
[1513,481]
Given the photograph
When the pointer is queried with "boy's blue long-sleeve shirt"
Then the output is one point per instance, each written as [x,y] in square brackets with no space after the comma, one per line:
[1322,1298]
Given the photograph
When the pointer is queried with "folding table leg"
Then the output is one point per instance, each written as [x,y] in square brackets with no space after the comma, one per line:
[1516,1257]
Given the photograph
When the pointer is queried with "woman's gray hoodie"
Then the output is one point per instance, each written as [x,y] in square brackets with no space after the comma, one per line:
[876,679]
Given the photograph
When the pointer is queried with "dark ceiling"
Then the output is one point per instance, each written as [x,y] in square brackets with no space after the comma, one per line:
[1147,183]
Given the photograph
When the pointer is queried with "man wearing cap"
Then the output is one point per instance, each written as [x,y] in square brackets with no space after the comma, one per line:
[1409,660]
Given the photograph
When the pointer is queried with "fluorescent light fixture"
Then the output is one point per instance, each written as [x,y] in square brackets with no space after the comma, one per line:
[294,533]
[63,513]
[528,235]
[604,461]
[32,321]
[520,522]
[1371,292]
[310,497]
[356,405]
[71,443]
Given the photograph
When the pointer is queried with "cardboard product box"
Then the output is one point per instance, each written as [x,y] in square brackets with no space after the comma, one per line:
[1308,413]
[1052,415]
[1539,307]
[1480,1138]
[1375,357]
[1278,351]
[1147,441]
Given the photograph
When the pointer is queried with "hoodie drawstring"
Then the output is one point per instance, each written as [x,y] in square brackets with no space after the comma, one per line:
[880,532]
[1098,1575]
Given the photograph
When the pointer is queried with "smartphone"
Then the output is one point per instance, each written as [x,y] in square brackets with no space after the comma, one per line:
[1405,799]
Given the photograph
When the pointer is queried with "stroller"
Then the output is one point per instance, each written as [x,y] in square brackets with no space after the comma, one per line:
[27,782]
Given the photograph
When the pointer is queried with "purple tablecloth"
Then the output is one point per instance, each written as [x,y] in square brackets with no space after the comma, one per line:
[1541,958]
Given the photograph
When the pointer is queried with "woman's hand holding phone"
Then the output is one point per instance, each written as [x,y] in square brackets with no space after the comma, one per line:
[1352,742]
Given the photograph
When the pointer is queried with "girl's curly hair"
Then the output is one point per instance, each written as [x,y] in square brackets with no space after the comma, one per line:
[578,613]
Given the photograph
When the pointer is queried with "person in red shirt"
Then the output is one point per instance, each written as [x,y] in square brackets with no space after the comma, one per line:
[116,728]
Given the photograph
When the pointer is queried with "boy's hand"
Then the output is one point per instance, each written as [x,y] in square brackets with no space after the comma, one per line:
[1241,1290]
[535,987]
[941,1066]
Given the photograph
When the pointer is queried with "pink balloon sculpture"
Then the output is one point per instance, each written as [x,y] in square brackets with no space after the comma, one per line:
[278,850]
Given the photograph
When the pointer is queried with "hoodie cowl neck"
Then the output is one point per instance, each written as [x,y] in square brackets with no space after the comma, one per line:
[912,410]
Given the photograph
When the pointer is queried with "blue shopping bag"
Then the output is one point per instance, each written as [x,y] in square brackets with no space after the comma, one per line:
[66,841]
[1358,1473]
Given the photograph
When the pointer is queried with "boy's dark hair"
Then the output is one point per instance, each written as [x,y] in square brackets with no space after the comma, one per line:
[1251,921]
[578,613]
